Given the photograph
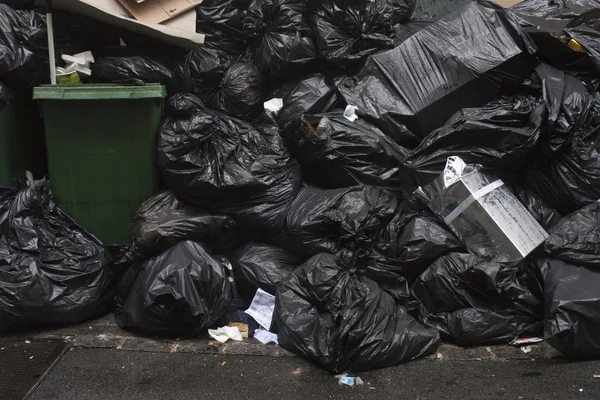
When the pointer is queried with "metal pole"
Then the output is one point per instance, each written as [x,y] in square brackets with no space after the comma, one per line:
[51,55]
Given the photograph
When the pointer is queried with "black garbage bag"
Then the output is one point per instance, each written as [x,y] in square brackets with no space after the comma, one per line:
[331,315]
[335,152]
[163,220]
[473,302]
[22,33]
[568,103]
[586,31]
[279,36]
[224,84]
[222,23]
[501,135]
[434,73]
[181,292]
[327,221]
[227,15]
[572,179]
[138,67]
[410,243]
[311,95]
[572,304]
[207,66]
[261,266]
[545,22]
[574,239]
[227,165]
[52,272]
[348,31]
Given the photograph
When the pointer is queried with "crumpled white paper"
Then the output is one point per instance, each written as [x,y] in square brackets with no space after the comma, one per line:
[274,105]
[225,333]
[265,336]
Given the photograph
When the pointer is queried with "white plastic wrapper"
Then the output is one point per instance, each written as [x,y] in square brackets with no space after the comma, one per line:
[483,212]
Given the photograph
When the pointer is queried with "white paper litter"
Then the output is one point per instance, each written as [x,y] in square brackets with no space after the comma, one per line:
[274,105]
[350,113]
[225,333]
[265,337]
[262,308]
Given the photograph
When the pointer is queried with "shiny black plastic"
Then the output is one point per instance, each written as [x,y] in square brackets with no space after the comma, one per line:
[310,95]
[572,304]
[163,220]
[181,292]
[227,165]
[331,220]
[139,69]
[329,314]
[337,153]
[439,70]
[575,238]
[501,134]
[279,36]
[51,271]
[348,31]
[473,302]
[261,266]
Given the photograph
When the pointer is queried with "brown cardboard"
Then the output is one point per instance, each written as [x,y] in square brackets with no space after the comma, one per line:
[507,3]
[157,11]
[179,31]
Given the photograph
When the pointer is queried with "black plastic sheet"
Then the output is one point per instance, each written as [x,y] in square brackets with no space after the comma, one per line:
[227,165]
[501,134]
[439,70]
[572,304]
[51,271]
[261,266]
[348,31]
[163,220]
[279,36]
[473,302]
[329,314]
[311,95]
[574,239]
[181,292]
[335,152]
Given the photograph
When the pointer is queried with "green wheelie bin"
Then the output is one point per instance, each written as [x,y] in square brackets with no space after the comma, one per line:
[101,145]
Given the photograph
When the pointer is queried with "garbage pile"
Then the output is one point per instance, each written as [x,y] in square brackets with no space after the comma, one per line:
[380,176]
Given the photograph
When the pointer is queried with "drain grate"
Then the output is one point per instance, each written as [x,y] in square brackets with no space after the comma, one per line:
[24,363]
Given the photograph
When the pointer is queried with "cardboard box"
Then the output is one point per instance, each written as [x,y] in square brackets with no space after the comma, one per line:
[483,212]
[507,3]
[179,31]
[157,11]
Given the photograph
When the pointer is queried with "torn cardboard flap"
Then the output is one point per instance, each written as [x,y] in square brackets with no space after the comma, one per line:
[179,31]
[157,11]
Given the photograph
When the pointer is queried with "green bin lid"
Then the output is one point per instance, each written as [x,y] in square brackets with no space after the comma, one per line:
[98,92]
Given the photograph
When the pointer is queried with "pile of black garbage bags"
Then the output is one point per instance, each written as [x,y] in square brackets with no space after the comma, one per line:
[329,153]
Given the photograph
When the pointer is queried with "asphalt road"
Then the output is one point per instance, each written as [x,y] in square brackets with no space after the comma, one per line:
[105,374]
